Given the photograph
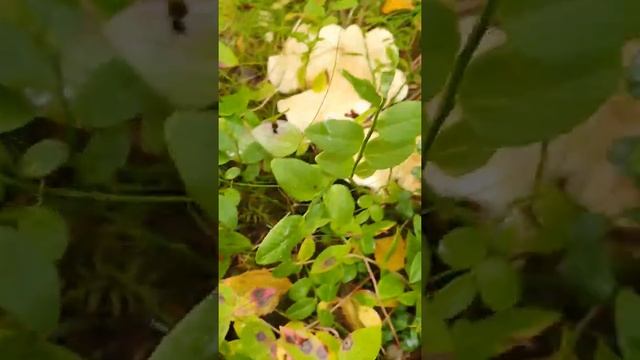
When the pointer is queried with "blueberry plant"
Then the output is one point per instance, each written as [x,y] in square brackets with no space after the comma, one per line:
[320,256]
[551,279]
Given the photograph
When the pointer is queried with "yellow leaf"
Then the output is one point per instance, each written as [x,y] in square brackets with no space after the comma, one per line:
[396,5]
[350,311]
[390,253]
[258,292]
[299,343]
[369,317]
[359,316]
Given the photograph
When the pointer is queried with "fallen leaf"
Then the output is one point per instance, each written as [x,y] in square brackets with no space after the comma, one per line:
[397,5]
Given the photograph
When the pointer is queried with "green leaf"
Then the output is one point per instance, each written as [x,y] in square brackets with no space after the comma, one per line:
[340,206]
[498,333]
[415,270]
[106,152]
[442,45]
[280,240]
[279,138]
[455,297]
[256,338]
[436,335]
[339,137]
[463,248]
[286,268]
[15,110]
[330,258]
[23,63]
[314,10]
[401,122]
[26,346]
[193,337]
[300,289]
[627,318]
[299,179]
[335,165]
[382,154]
[29,286]
[235,103]
[391,285]
[43,158]
[362,344]
[232,242]
[603,352]
[459,150]
[307,249]
[328,291]
[498,282]
[112,95]
[587,266]
[226,56]
[364,88]
[45,229]
[560,34]
[191,139]
[227,211]
[302,309]
[343,4]
[510,100]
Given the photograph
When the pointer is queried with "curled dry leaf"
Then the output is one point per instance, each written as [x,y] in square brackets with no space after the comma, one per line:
[258,292]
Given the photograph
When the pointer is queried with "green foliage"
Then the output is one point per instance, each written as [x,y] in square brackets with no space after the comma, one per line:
[313,229]
[193,336]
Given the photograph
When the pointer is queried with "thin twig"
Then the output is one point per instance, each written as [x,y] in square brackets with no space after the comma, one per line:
[93,195]
[384,310]
[455,79]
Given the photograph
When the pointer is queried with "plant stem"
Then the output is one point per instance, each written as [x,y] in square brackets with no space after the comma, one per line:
[455,79]
[365,142]
[94,195]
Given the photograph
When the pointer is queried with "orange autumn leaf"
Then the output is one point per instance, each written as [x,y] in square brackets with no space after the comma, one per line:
[258,292]
[396,5]
[390,253]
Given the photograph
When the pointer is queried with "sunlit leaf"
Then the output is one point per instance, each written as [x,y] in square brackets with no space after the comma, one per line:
[226,56]
[279,138]
[391,285]
[280,240]
[362,344]
[302,308]
[340,206]
[339,137]
[390,252]
[329,258]
[258,292]
[299,179]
